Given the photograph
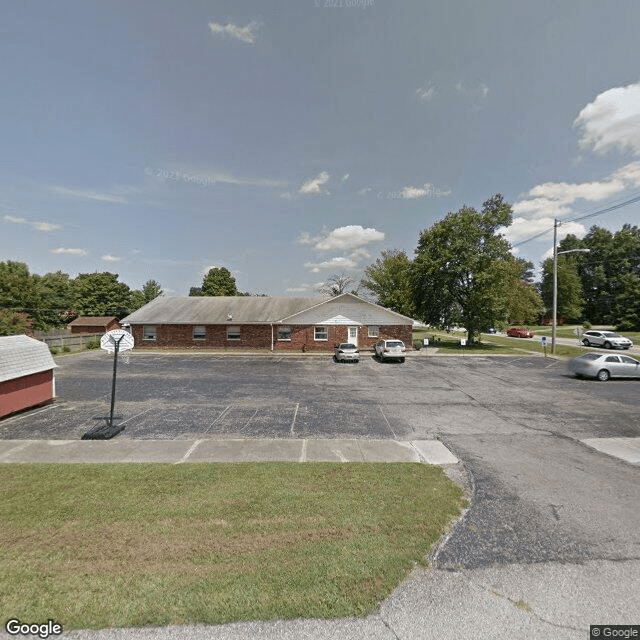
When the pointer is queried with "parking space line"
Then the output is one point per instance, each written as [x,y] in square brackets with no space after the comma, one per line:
[28,415]
[250,419]
[137,415]
[191,449]
[295,414]
[303,453]
[219,417]
[395,437]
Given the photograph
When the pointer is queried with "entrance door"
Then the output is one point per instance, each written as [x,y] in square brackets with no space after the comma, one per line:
[353,335]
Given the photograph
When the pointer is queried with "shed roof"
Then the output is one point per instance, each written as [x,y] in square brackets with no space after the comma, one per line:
[92,321]
[217,309]
[22,356]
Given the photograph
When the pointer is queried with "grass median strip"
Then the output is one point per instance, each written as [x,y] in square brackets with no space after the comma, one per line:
[95,546]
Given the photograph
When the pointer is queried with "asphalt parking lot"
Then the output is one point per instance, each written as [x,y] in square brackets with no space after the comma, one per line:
[171,396]
[550,541]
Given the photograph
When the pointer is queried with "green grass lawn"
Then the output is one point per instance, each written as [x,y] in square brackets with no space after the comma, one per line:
[449,343]
[95,546]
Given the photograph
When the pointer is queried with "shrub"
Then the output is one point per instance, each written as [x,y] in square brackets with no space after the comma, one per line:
[92,343]
[66,348]
[54,351]
[586,325]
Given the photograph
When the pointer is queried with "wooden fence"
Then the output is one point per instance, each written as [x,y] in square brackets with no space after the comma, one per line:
[62,338]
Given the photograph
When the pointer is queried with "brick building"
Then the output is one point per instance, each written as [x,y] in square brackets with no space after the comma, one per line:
[93,324]
[274,323]
[26,374]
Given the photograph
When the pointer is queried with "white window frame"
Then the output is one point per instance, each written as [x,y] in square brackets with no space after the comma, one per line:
[199,332]
[235,332]
[322,330]
[373,331]
[286,329]
[149,332]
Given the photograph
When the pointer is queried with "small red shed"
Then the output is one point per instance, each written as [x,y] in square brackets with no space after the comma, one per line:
[93,324]
[26,374]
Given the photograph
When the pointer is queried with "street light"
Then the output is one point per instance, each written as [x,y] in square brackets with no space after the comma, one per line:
[556,253]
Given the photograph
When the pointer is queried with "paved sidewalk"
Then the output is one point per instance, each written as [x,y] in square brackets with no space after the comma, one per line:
[215,450]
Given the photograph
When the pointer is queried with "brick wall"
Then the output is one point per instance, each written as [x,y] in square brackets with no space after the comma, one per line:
[180,336]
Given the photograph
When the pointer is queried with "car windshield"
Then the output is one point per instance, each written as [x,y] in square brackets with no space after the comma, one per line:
[590,356]
[610,334]
[395,343]
[347,345]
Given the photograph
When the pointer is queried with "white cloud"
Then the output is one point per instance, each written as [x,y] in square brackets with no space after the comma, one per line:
[426,94]
[110,258]
[305,238]
[344,178]
[612,121]
[71,252]
[14,219]
[555,199]
[421,192]
[44,227]
[301,289]
[478,93]
[245,34]
[348,238]
[87,194]
[363,192]
[523,228]
[339,263]
[314,185]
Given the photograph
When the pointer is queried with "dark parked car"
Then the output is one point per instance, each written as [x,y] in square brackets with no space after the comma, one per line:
[519,332]
[604,366]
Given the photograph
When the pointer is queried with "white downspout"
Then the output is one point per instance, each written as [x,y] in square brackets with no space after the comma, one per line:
[272,336]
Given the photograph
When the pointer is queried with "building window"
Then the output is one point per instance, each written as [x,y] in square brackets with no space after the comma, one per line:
[284,333]
[320,333]
[199,332]
[374,331]
[233,333]
[149,332]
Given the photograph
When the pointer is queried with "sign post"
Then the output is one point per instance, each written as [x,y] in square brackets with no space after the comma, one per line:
[543,342]
[463,344]
[112,342]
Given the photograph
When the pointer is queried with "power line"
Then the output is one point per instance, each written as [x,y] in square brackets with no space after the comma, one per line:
[598,212]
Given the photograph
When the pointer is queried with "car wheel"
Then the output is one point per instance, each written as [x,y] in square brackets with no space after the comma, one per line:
[603,375]
[401,359]
[586,343]
[607,345]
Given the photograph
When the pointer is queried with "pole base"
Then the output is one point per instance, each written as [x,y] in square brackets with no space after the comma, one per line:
[103,431]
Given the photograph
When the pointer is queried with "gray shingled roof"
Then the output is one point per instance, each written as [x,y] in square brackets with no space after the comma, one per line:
[23,356]
[216,310]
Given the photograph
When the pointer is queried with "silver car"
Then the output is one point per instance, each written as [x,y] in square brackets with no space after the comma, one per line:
[346,352]
[390,350]
[606,339]
[603,366]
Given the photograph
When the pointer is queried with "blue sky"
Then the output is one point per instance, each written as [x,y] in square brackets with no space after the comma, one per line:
[290,141]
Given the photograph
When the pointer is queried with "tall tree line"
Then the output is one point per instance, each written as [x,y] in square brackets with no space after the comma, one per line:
[31,301]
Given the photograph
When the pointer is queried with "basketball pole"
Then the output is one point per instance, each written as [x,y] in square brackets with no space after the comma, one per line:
[113,385]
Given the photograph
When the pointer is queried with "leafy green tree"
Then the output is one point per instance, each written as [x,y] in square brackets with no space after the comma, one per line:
[462,263]
[14,322]
[526,270]
[100,294]
[217,282]
[389,280]
[151,290]
[627,303]
[19,290]
[570,298]
[136,300]
[56,299]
